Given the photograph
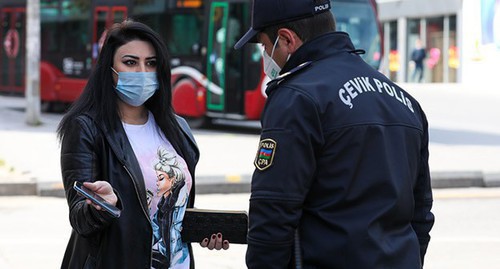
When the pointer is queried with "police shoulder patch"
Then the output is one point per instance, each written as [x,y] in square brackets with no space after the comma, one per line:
[265,154]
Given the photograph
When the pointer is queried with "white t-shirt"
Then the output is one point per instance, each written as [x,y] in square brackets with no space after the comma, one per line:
[159,160]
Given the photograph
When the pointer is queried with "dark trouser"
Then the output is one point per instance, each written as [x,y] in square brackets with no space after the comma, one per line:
[419,68]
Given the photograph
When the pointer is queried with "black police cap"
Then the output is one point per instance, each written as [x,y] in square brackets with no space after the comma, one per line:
[271,12]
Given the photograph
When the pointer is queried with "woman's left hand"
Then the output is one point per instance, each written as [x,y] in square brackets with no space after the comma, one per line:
[215,242]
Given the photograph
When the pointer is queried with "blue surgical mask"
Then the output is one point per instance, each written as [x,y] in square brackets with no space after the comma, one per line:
[135,88]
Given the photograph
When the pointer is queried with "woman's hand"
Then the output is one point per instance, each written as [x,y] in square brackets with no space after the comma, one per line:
[215,242]
[103,189]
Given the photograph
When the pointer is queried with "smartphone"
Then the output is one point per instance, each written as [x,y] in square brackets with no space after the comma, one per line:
[199,224]
[96,199]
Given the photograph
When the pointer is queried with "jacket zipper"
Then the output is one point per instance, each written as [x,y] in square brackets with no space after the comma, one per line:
[145,213]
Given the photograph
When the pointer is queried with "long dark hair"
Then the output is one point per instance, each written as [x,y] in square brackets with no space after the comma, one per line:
[99,96]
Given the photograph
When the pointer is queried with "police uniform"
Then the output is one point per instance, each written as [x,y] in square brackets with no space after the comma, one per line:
[343,162]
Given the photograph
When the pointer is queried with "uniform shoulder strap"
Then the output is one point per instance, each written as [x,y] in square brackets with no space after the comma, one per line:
[275,82]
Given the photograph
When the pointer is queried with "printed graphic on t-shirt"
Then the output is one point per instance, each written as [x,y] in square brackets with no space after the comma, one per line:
[149,198]
[168,183]
[172,188]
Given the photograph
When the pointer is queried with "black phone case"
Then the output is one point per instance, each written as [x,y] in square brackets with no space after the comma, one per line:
[199,224]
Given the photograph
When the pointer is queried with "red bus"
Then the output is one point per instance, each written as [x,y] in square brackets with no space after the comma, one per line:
[210,79]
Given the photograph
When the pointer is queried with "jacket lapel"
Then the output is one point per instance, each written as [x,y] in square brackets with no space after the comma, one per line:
[119,144]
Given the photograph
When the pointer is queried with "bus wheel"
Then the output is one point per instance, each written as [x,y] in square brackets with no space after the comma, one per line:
[47,106]
[54,107]
[198,123]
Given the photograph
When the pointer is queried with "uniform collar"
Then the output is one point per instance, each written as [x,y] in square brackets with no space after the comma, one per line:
[311,51]
[319,48]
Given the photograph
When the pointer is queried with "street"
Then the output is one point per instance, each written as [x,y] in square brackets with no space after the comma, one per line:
[463,130]
[34,231]
[466,233]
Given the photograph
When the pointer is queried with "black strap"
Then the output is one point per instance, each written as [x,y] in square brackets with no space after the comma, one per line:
[297,250]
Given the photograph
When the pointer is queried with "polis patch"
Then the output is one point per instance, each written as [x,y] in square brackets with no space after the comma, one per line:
[265,154]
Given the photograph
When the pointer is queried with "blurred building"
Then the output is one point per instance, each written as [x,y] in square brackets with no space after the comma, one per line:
[461,39]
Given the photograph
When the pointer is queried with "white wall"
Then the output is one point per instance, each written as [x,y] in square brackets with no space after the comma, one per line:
[481,64]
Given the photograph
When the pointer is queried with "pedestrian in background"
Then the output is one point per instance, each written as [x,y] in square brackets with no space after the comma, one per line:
[417,58]
[123,140]
[342,175]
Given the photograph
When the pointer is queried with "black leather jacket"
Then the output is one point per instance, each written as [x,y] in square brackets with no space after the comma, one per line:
[89,151]
[343,160]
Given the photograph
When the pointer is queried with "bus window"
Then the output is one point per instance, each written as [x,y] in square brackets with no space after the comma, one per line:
[103,19]
[181,28]
[150,13]
[358,19]
[74,47]
[12,48]
[49,14]
[179,41]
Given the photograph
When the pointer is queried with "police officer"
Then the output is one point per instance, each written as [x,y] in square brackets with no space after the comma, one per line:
[342,175]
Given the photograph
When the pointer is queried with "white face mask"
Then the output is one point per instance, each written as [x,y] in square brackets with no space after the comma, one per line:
[271,68]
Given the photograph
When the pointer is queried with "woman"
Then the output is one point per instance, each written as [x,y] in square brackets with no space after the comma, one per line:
[109,140]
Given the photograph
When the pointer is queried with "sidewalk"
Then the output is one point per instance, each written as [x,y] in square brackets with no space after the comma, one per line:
[463,127]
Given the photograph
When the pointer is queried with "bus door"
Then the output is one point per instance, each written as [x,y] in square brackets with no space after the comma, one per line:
[237,25]
[216,56]
[225,93]
[12,48]
[104,17]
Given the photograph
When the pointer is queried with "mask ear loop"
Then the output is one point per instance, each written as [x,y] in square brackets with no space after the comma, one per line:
[274,46]
[114,71]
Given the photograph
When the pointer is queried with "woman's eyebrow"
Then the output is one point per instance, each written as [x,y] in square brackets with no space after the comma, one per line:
[137,57]
[130,56]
